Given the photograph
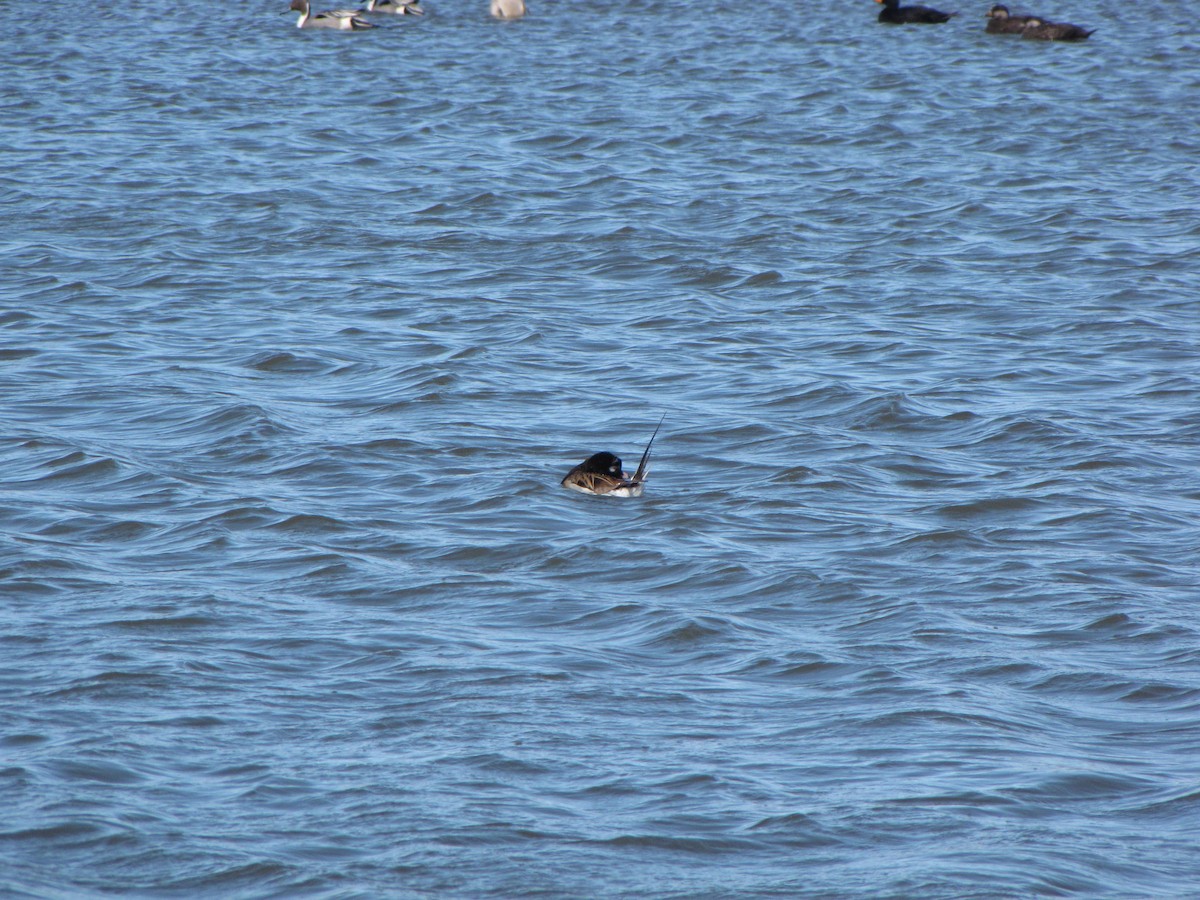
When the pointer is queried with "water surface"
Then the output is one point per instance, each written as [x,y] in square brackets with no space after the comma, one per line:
[300,331]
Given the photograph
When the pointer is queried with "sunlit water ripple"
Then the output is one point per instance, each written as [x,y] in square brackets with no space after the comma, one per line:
[300,331]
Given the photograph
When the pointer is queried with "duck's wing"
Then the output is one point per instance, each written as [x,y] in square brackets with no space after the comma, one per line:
[1069,32]
[929,16]
[344,19]
[354,16]
[643,467]
[593,482]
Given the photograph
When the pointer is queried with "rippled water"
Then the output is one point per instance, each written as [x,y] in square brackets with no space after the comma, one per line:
[300,331]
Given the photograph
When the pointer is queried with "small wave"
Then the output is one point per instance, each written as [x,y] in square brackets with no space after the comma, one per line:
[287,363]
[170,623]
[78,467]
[105,771]
[991,507]
[702,846]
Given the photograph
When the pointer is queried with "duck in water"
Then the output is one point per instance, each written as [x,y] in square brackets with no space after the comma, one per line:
[395,7]
[339,19]
[1040,30]
[601,474]
[1001,21]
[895,14]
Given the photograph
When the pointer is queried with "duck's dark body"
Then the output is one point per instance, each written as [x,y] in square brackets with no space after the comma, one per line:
[895,14]
[1040,30]
[601,473]
[1001,21]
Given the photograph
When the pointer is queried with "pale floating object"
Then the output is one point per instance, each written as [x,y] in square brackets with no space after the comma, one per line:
[508,9]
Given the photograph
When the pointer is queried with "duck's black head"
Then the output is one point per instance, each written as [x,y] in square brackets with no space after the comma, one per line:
[889,4]
[603,464]
[999,11]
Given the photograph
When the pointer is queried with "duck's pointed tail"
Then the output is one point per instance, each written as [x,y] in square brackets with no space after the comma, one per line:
[640,475]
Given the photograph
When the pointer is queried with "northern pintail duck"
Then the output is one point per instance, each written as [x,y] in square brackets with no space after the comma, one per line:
[395,7]
[1001,21]
[895,14]
[340,19]
[508,9]
[1040,30]
[601,474]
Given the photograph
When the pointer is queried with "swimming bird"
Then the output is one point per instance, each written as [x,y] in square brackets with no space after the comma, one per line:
[1040,30]
[601,473]
[1001,21]
[508,9]
[340,19]
[895,14]
[395,7]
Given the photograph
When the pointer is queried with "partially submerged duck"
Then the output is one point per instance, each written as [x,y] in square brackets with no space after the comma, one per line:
[895,14]
[1001,21]
[395,7]
[1040,30]
[339,19]
[508,9]
[601,474]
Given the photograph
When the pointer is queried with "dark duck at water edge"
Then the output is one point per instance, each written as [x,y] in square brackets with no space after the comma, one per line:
[895,14]
[601,474]
[1040,30]
[1001,21]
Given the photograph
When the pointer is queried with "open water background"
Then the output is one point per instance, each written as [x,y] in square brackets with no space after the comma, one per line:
[300,330]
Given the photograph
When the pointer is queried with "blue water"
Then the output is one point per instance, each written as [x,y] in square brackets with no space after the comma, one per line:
[301,330]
